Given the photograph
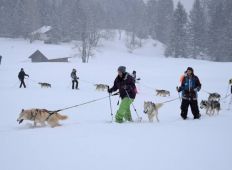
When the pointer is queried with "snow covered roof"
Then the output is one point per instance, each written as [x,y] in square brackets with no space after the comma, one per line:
[42,30]
[38,56]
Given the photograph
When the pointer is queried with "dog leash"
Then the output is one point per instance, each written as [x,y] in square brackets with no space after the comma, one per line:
[206,91]
[92,101]
[168,101]
[85,81]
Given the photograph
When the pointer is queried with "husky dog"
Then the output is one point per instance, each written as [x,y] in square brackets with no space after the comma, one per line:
[163,93]
[210,106]
[214,97]
[151,109]
[45,85]
[41,116]
[101,87]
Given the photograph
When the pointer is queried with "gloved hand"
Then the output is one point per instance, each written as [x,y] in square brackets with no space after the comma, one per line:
[196,89]
[178,89]
[77,78]
[110,90]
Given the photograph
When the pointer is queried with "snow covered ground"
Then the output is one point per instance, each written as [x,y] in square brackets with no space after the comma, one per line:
[87,140]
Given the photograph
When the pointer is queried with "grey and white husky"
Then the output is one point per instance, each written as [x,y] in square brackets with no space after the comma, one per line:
[151,109]
[101,87]
[210,106]
[214,97]
[163,93]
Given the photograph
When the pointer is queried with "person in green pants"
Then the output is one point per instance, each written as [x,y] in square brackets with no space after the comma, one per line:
[124,82]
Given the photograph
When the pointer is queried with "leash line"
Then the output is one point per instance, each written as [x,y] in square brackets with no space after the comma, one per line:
[92,101]
[168,101]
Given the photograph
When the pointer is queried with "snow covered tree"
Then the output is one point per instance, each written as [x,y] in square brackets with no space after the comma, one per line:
[164,19]
[178,42]
[151,8]
[197,30]
[217,27]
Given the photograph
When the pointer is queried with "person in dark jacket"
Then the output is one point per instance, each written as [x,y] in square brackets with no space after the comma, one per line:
[190,86]
[74,79]
[21,77]
[124,82]
[0,59]
[135,76]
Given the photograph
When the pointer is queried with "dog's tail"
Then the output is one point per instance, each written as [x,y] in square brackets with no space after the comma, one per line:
[62,117]
[159,105]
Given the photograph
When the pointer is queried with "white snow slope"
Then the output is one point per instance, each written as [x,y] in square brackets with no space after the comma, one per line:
[87,141]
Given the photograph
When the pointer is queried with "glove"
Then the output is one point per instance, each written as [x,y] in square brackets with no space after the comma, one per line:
[110,90]
[196,89]
[77,78]
[138,79]
[178,89]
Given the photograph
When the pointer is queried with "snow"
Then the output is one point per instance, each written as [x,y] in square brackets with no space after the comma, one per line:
[42,30]
[87,140]
[12,47]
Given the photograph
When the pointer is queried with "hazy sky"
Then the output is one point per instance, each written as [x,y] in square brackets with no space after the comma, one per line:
[187,3]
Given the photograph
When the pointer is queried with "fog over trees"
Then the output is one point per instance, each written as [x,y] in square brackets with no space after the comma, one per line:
[205,32]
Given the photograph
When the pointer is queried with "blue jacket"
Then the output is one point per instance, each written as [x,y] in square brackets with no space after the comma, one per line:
[189,87]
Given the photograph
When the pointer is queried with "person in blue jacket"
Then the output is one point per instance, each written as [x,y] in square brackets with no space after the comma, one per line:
[189,88]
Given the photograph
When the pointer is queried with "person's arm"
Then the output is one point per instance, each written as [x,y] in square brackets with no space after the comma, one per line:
[198,85]
[114,88]
[181,88]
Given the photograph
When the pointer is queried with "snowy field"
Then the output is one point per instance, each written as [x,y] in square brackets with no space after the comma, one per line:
[87,141]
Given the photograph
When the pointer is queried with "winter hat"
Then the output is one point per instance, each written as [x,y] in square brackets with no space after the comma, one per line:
[122,69]
[191,69]
[134,72]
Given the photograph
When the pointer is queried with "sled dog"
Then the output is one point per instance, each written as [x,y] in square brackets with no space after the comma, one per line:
[45,85]
[214,97]
[163,93]
[101,87]
[151,109]
[210,106]
[41,116]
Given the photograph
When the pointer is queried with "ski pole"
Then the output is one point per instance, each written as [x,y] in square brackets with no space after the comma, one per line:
[139,118]
[111,112]
[178,93]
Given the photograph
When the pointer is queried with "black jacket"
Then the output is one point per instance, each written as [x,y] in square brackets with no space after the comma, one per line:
[125,85]
[189,87]
[22,75]
[74,75]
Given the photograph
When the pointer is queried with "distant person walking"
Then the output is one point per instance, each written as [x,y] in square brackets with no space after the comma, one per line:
[21,77]
[74,79]
[0,59]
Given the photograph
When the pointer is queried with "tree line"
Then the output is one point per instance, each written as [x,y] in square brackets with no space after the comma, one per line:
[205,32]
